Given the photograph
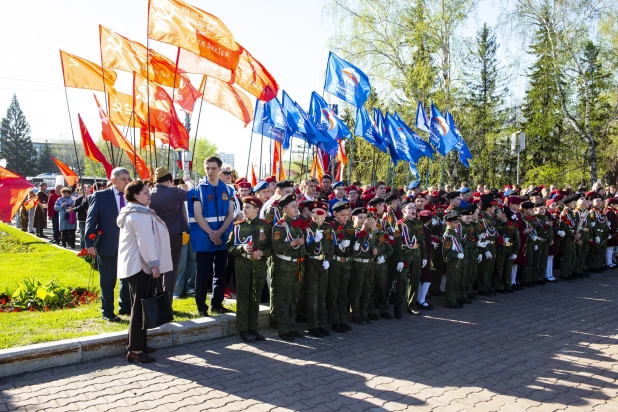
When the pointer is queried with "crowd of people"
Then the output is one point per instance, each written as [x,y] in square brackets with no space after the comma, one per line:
[325,254]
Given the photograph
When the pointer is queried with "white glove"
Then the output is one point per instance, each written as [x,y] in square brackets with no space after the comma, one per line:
[345,243]
[479,258]
[435,245]
[380,260]
[597,240]
[318,235]
[593,224]
[513,257]
[341,247]
[561,233]
[399,266]
[506,239]
[356,246]
[610,237]
[434,222]
[488,255]
[460,256]
[325,264]
[534,238]
[536,247]
[481,244]
[424,263]
[483,235]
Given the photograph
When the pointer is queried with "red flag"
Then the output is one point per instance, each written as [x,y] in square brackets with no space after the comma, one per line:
[187,95]
[13,190]
[253,177]
[189,62]
[111,133]
[30,203]
[252,76]
[227,97]
[163,115]
[67,172]
[278,162]
[91,149]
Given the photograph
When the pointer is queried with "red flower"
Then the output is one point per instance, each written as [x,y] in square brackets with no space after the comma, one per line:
[301,224]
[340,229]
[362,233]
[100,232]
[340,237]
[405,264]
[92,236]
[501,240]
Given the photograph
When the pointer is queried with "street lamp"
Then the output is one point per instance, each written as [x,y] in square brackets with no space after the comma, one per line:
[518,143]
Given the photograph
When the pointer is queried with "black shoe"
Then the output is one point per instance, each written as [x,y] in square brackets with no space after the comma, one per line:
[346,327]
[288,337]
[122,312]
[204,313]
[366,319]
[455,306]
[273,324]
[324,331]
[149,350]
[139,357]
[247,337]
[540,283]
[317,333]
[222,311]
[386,315]
[297,334]
[425,306]
[358,320]
[112,318]
[258,337]
[374,316]
[515,287]
[398,314]
[338,328]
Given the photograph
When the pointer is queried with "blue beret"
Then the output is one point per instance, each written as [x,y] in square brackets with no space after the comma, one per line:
[337,184]
[414,184]
[261,185]
[464,190]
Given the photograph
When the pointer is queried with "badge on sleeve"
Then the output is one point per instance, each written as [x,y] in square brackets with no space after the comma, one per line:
[276,235]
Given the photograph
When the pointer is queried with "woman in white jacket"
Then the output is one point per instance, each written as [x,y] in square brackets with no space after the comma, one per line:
[143,251]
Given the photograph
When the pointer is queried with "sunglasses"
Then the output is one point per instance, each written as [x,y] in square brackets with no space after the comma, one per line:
[227,173]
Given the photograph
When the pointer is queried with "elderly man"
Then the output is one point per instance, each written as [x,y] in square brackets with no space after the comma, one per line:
[101,224]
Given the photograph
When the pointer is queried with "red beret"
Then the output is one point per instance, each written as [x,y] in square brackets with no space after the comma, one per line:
[252,200]
[424,215]
[476,194]
[550,202]
[352,188]
[588,194]
[613,201]
[435,193]
[244,185]
[558,198]
[368,196]
[241,180]
[428,207]
[513,200]
[270,179]
[297,190]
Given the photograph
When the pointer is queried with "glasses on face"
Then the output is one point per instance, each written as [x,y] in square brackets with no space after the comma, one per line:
[227,173]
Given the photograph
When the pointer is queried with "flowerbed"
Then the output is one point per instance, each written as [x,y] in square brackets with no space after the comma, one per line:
[34,296]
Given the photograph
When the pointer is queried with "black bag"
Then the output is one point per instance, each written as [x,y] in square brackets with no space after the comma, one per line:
[156,310]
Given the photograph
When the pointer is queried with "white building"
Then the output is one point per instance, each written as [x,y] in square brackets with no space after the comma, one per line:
[226,158]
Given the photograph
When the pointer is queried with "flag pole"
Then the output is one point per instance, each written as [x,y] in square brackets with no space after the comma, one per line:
[351,162]
[261,149]
[290,162]
[199,115]
[302,161]
[270,154]
[173,97]
[66,96]
[111,146]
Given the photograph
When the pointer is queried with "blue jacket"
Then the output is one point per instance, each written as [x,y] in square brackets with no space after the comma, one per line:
[102,216]
[215,202]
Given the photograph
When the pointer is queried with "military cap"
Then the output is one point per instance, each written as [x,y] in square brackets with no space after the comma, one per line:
[612,201]
[451,216]
[316,204]
[415,184]
[452,195]
[240,180]
[270,179]
[468,211]
[359,211]
[533,193]
[244,185]
[550,202]
[284,184]
[353,189]
[488,200]
[539,204]
[338,184]
[261,185]
[421,194]
[252,200]
[391,197]
[286,200]
[408,200]
[464,190]
[424,215]
[527,205]
[322,198]
[340,206]
[375,201]
[558,198]
[569,199]
[510,192]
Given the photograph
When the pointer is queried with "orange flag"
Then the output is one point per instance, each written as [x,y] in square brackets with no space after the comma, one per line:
[278,162]
[228,98]
[120,108]
[31,203]
[178,23]
[341,156]
[111,133]
[147,141]
[118,52]
[317,169]
[67,172]
[187,95]
[84,74]
[163,115]
[253,177]
[91,149]
[252,76]
[190,62]
[13,190]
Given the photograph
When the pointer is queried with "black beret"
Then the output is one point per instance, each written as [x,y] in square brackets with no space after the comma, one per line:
[451,216]
[391,197]
[408,200]
[488,200]
[286,200]
[452,195]
[339,206]
[359,211]
[527,205]
[375,201]
[285,183]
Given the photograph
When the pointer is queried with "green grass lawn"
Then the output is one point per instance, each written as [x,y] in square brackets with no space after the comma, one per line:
[44,262]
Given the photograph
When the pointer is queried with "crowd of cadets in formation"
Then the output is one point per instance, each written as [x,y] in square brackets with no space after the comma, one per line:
[337,255]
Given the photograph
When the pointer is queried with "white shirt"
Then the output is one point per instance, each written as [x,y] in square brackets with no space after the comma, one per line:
[118,198]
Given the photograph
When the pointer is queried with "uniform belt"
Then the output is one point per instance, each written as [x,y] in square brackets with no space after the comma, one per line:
[248,256]
[287,258]
[586,229]
[359,260]
[316,257]
[411,248]
[491,242]
[507,244]
[341,259]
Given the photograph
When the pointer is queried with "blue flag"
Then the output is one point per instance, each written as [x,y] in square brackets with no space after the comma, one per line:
[441,134]
[414,139]
[414,170]
[269,121]
[400,141]
[346,81]
[315,136]
[366,128]
[326,120]
[461,145]
[422,122]
[296,123]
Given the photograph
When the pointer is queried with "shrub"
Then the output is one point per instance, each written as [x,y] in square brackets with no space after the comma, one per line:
[35,296]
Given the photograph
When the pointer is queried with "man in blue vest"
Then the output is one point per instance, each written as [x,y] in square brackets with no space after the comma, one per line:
[211,212]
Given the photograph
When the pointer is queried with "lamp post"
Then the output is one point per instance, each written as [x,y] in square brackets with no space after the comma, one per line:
[518,143]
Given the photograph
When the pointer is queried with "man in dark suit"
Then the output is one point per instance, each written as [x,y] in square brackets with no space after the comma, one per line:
[169,203]
[102,214]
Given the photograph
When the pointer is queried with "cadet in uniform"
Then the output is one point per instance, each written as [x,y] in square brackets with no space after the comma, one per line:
[545,235]
[469,237]
[382,245]
[362,256]
[489,236]
[600,232]
[288,245]
[453,254]
[568,226]
[250,242]
[506,252]
[582,246]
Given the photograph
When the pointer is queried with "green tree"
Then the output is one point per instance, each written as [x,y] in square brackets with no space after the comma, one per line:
[15,141]
[46,164]
[203,149]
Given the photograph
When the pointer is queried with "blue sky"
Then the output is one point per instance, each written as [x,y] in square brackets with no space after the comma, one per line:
[290,37]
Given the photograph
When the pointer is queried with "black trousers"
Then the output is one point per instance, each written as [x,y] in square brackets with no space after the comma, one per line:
[108,268]
[210,265]
[169,278]
[56,227]
[68,236]
[140,287]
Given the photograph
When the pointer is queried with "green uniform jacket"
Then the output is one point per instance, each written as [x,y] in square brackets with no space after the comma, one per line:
[273,213]
[324,247]
[283,233]
[256,231]
[451,245]
[409,236]
[543,230]
[568,222]
[363,239]
[487,225]
[340,233]
[508,230]
[598,222]
[382,241]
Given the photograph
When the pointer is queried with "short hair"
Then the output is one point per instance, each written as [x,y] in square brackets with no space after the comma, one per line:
[42,183]
[464,184]
[133,188]
[215,159]
[310,180]
[327,177]
[65,190]
[119,171]
[380,184]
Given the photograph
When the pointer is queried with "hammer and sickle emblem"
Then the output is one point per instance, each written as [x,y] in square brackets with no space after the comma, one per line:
[113,43]
[164,12]
[116,106]
[73,62]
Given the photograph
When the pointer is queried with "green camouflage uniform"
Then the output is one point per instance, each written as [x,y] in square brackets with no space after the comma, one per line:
[273,214]
[582,248]
[568,224]
[409,249]
[362,269]
[508,245]
[451,247]
[545,234]
[316,277]
[596,256]
[381,241]
[468,235]
[486,267]
[438,267]
[337,304]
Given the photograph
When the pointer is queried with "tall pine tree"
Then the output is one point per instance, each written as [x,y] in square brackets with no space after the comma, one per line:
[46,164]
[15,142]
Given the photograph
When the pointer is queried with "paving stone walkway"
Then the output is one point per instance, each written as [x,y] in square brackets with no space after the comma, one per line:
[547,348]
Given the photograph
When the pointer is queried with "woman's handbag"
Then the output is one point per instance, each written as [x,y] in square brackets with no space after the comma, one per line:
[156,310]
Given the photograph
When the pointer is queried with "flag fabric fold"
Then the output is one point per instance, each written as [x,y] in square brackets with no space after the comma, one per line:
[380,122]
[461,145]
[277,167]
[253,177]
[227,97]
[422,121]
[84,74]
[13,190]
[91,149]
[253,77]
[190,62]
[399,141]
[441,134]
[346,81]
[68,173]
[270,121]
[414,139]
[325,119]
[120,108]
[366,128]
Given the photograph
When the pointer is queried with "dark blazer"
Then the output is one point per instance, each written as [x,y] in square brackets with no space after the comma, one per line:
[81,207]
[102,215]
[169,203]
